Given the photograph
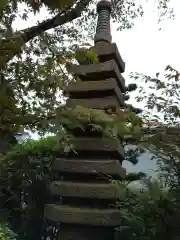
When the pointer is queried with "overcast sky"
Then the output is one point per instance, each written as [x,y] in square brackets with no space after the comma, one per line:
[146,49]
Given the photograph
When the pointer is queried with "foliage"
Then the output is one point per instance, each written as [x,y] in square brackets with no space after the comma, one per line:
[6,233]
[25,174]
[149,213]
[161,98]
[155,213]
[134,152]
[86,56]
[111,125]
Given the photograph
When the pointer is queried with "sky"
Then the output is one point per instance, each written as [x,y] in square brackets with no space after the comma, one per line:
[145,49]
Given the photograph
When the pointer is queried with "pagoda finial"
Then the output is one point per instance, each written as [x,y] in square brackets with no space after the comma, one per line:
[103,31]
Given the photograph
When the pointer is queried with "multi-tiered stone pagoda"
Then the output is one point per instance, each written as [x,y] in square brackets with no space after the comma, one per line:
[85,197]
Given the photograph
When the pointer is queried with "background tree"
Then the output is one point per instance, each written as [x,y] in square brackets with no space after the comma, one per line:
[150,213]
[160,96]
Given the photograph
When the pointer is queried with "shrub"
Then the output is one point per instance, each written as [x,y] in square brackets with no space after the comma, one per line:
[6,233]
[25,173]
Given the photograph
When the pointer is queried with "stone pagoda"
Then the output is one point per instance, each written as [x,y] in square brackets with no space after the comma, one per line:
[84,197]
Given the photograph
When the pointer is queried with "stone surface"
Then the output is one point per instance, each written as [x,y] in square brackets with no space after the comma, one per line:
[87,190]
[96,103]
[108,147]
[108,52]
[95,89]
[100,71]
[77,232]
[83,216]
[103,32]
[109,167]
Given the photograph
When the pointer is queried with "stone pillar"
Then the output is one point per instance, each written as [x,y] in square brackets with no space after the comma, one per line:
[103,32]
[84,197]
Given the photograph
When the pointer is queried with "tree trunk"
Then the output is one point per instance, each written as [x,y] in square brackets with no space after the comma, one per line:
[7,139]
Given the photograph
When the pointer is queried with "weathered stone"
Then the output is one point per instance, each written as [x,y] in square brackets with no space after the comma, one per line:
[95,89]
[103,33]
[109,167]
[108,147]
[96,103]
[87,190]
[82,232]
[84,216]
[108,52]
[101,71]
[83,195]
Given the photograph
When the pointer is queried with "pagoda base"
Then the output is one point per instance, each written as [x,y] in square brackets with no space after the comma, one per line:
[80,232]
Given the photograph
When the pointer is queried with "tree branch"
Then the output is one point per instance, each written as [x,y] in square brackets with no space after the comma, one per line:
[12,46]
